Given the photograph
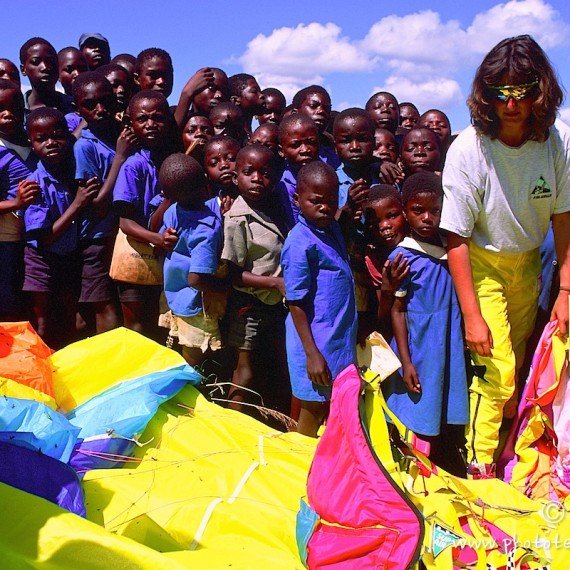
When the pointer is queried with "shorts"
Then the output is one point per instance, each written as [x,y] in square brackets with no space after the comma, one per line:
[48,272]
[96,285]
[131,293]
[249,318]
[196,332]
[11,261]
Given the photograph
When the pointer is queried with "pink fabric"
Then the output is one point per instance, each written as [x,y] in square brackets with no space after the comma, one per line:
[347,486]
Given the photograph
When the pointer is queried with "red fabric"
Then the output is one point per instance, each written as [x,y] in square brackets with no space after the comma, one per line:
[347,487]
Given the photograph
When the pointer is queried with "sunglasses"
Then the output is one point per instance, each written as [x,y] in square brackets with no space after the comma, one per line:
[517,92]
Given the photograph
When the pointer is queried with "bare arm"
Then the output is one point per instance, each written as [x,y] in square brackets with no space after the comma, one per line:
[400,328]
[247,279]
[166,240]
[25,195]
[317,368]
[477,333]
[199,81]
[561,229]
[206,282]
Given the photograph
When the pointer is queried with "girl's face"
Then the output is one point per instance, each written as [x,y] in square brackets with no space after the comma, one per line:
[197,129]
[385,222]
[386,146]
[420,151]
[220,163]
[437,121]
[423,213]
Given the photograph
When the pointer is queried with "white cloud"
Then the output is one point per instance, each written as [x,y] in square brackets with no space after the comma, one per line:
[565,115]
[439,92]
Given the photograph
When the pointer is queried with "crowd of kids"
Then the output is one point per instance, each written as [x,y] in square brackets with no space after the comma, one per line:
[285,233]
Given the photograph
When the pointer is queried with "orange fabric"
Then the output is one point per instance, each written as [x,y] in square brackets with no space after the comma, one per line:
[24,357]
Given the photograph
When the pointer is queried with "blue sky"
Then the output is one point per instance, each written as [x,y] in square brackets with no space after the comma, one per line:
[423,52]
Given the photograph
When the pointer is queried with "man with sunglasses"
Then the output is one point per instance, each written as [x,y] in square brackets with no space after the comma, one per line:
[505,179]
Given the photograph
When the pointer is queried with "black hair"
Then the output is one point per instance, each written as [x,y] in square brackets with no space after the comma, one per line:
[68,49]
[111,68]
[274,92]
[218,139]
[227,106]
[315,170]
[148,94]
[301,95]
[88,78]
[179,173]
[238,82]
[371,99]
[408,104]
[33,42]
[149,53]
[257,147]
[43,113]
[380,192]
[354,113]
[294,119]
[271,126]
[421,183]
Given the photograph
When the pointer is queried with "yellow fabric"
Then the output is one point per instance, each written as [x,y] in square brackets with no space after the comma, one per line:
[14,389]
[87,368]
[506,287]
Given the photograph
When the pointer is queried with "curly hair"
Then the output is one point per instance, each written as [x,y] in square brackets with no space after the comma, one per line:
[522,61]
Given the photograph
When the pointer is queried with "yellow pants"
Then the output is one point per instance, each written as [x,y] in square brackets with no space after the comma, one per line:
[506,287]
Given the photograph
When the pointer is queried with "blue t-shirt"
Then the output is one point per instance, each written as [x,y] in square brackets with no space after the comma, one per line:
[137,184]
[49,205]
[94,157]
[345,181]
[285,189]
[317,273]
[12,172]
[197,250]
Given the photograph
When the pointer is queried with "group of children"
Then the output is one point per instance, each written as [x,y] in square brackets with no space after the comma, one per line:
[323,223]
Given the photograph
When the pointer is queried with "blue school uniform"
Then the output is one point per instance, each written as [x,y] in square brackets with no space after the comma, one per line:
[53,200]
[137,184]
[94,157]
[345,181]
[328,155]
[436,344]
[317,273]
[284,190]
[197,250]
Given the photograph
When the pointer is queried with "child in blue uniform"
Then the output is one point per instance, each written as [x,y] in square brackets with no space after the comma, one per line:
[190,267]
[321,327]
[431,392]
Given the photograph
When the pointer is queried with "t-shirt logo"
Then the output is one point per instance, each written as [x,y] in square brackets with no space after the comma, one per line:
[541,189]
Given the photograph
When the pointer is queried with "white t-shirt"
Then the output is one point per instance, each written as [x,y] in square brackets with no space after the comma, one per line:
[503,197]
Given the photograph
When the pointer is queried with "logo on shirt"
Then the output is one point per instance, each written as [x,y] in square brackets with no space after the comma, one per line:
[541,189]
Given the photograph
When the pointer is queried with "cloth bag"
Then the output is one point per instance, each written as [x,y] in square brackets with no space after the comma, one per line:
[136,262]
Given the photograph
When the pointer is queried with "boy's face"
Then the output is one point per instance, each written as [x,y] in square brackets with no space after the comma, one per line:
[11,111]
[354,141]
[437,121]
[96,104]
[96,53]
[71,64]
[252,100]
[41,67]
[318,201]
[420,151]
[197,129]
[121,84]
[318,107]
[150,122]
[254,175]
[409,117]
[220,163]
[384,112]
[9,71]
[215,93]
[273,109]
[300,144]
[265,137]
[227,122]
[50,140]
[156,73]
[386,145]
[385,222]
[423,213]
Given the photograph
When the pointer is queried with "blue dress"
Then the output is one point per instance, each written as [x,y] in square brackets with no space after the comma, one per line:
[317,273]
[436,344]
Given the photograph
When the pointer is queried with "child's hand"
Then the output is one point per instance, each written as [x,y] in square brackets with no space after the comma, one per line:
[199,81]
[126,143]
[318,369]
[86,191]
[357,194]
[226,203]
[393,273]
[27,191]
[168,239]
[410,378]
[279,284]
[390,173]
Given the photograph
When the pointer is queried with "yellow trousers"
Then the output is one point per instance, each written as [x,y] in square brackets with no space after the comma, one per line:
[506,287]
